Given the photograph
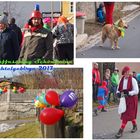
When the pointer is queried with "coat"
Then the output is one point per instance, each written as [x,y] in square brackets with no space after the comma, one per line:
[9,46]
[17,30]
[37,45]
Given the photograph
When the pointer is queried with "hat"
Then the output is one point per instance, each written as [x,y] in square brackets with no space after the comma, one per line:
[3,19]
[104,83]
[47,20]
[125,69]
[36,13]
[62,19]
[116,69]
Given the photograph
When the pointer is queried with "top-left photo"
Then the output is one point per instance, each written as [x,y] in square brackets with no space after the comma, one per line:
[35,33]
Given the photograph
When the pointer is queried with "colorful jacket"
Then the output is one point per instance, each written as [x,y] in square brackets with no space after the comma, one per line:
[64,34]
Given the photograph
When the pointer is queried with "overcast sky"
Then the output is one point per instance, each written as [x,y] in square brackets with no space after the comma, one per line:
[22,10]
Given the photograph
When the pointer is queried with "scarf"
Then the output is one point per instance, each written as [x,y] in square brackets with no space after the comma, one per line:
[34,28]
[129,84]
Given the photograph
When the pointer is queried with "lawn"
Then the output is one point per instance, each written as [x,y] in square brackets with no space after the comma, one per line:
[29,130]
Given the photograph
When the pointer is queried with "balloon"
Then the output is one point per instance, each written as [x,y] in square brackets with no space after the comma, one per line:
[15,91]
[42,99]
[51,116]
[37,97]
[14,88]
[21,90]
[68,99]
[5,90]
[0,91]
[52,98]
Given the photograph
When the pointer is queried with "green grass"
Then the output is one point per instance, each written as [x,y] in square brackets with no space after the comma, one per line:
[30,130]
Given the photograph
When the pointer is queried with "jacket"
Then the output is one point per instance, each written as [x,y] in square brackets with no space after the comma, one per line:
[9,46]
[64,34]
[37,45]
[17,30]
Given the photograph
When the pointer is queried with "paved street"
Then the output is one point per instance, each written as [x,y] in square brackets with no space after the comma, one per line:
[106,125]
[129,45]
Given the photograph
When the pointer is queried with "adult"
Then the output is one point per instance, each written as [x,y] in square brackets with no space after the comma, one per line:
[64,33]
[9,46]
[109,8]
[114,84]
[95,80]
[128,86]
[37,41]
[16,29]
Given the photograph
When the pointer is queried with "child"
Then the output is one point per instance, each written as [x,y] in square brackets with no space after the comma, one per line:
[102,97]
[100,14]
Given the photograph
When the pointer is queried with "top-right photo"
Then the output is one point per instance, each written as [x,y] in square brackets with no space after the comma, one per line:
[108,29]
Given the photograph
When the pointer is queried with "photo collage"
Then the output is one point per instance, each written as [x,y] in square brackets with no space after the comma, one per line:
[69,69]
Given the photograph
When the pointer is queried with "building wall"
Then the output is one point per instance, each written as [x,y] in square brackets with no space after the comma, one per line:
[134,67]
[86,7]
[66,10]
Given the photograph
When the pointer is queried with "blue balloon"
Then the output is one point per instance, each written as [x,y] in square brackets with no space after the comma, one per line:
[68,99]
[37,97]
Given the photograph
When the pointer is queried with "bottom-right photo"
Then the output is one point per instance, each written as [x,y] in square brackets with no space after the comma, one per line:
[116,100]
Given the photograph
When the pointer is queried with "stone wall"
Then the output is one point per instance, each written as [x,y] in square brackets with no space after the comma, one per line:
[22,106]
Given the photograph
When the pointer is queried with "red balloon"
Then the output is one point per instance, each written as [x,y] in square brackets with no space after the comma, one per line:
[21,90]
[50,116]
[52,98]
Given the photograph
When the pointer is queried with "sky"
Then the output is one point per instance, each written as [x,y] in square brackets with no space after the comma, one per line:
[21,11]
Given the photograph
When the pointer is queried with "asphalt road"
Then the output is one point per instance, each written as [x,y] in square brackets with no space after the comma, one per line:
[107,124]
[129,45]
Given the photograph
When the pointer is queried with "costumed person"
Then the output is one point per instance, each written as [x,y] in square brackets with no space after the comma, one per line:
[9,46]
[37,42]
[95,80]
[109,8]
[47,23]
[100,14]
[102,97]
[64,33]
[129,88]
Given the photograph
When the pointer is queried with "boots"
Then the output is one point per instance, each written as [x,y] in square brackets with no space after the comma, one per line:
[119,134]
[134,129]
[103,110]
[96,112]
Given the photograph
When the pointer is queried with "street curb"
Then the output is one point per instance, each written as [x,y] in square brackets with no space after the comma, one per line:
[94,39]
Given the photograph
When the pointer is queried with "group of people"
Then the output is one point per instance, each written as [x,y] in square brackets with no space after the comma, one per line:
[107,16]
[35,42]
[126,86]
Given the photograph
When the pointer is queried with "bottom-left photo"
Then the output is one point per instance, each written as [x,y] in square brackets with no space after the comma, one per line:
[41,103]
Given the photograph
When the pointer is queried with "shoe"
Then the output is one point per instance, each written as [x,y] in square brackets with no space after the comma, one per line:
[119,134]
[96,112]
[134,129]
[103,110]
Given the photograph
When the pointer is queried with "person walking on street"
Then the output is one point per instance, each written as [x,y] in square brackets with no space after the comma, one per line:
[64,33]
[128,86]
[95,80]
[102,97]
[109,8]
[9,46]
[16,29]
[37,41]
[114,84]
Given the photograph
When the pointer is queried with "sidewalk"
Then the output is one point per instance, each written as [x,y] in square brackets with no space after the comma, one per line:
[107,124]
[93,32]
